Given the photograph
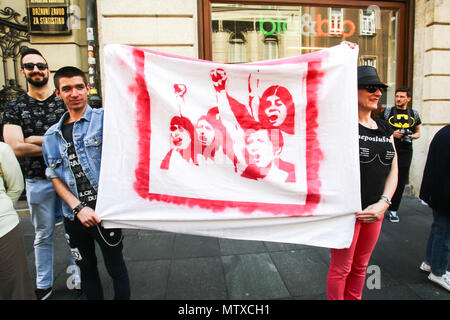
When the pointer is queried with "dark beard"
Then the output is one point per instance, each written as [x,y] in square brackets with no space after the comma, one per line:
[37,84]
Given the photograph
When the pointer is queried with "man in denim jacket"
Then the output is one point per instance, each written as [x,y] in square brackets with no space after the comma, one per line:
[72,153]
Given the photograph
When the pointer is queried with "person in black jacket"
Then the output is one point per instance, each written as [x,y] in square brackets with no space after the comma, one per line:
[435,191]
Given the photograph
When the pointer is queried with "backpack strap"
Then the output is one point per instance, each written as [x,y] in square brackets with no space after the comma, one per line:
[416,114]
[387,113]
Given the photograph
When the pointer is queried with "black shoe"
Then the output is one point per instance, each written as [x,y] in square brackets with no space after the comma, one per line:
[79,294]
[393,217]
[43,294]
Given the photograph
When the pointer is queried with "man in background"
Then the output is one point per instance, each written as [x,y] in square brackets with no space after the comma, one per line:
[406,124]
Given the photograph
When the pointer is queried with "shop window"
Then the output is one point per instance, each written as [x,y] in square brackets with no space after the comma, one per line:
[367,23]
[254,32]
[368,61]
[270,47]
[336,22]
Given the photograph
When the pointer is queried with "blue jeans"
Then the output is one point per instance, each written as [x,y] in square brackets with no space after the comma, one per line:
[438,246]
[45,207]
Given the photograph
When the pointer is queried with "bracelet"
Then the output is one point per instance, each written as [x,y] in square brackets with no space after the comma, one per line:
[385,198]
[78,208]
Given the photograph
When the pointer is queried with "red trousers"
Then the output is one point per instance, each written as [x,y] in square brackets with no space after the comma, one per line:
[347,273]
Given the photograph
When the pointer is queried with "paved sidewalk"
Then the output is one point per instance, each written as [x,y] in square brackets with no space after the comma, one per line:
[168,266]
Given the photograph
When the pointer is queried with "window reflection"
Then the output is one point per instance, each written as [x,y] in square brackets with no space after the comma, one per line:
[237,48]
[247,33]
[270,47]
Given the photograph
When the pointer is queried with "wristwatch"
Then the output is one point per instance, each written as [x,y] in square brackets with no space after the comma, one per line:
[385,198]
[78,208]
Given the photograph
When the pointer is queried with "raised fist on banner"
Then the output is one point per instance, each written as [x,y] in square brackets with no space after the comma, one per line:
[180,90]
[219,79]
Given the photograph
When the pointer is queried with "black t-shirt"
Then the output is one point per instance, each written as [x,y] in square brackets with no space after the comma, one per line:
[34,117]
[403,119]
[86,193]
[375,158]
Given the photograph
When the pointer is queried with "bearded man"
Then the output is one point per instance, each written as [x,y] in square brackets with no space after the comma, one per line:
[25,121]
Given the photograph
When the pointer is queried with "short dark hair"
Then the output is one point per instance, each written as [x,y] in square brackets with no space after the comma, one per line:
[68,72]
[404,89]
[26,51]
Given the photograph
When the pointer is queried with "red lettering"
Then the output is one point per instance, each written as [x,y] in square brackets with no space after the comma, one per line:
[352,28]
[319,24]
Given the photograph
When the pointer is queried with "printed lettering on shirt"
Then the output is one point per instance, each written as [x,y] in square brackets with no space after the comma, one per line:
[364,152]
[74,163]
[374,139]
[92,198]
[85,193]
[79,175]
[373,148]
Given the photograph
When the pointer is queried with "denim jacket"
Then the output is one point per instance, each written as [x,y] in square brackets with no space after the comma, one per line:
[87,138]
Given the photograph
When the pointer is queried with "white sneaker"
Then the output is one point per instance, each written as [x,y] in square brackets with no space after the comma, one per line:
[425,267]
[393,216]
[443,281]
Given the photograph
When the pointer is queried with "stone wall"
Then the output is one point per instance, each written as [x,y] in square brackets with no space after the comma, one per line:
[431,95]
[166,26]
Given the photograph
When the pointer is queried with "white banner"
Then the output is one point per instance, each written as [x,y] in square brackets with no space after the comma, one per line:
[262,151]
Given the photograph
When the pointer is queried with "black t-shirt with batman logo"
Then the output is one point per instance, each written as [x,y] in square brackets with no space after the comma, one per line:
[402,119]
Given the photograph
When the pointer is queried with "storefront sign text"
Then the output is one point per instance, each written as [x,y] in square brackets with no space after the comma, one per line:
[307,26]
[48,16]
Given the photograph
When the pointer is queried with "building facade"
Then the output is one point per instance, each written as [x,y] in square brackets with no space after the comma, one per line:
[406,40]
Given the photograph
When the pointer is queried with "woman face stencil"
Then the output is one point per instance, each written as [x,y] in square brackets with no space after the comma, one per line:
[205,132]
[276,110]
[179,137]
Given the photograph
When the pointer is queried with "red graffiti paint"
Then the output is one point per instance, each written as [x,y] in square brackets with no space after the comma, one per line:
[139,89]
[314,155]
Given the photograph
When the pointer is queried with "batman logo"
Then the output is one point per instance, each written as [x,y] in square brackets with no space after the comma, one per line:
[402,121]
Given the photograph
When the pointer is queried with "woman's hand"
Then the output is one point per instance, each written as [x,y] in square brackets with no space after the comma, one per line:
[373,213]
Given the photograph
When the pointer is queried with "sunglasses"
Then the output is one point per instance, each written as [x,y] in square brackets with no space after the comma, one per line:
[372,89]
[30,66]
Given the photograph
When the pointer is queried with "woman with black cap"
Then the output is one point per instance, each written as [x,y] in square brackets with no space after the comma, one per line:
[378,166]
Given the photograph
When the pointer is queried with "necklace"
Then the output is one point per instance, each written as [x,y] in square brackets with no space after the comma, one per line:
[370,125]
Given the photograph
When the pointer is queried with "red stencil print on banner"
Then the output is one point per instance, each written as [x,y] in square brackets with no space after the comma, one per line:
[270,124]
